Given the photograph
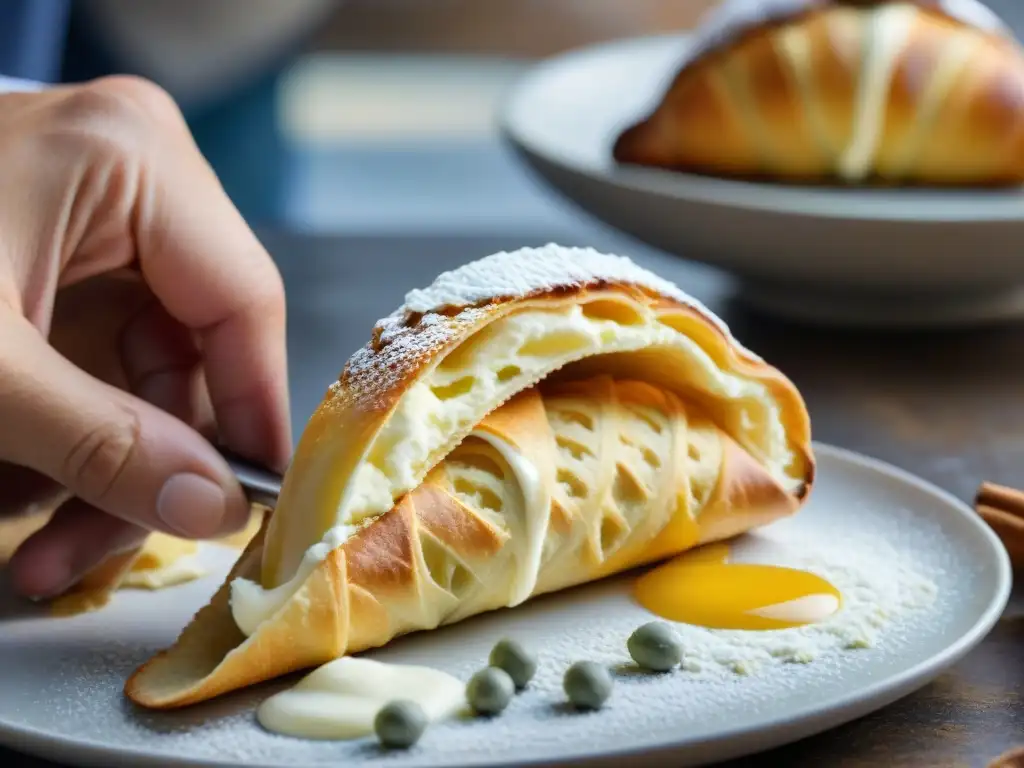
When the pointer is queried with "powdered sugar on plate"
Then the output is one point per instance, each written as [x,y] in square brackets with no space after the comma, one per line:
[917,574]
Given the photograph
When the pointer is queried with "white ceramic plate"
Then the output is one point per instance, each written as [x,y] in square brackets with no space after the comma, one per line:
[864,256]
[60,695]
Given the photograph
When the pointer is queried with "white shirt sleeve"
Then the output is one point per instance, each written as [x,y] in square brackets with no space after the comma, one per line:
[11,84]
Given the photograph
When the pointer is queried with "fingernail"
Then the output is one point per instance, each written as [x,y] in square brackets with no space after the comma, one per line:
[193,506]
[36,583]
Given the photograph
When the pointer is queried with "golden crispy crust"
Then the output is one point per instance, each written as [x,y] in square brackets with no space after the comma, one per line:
[434,557]
[705,124]
[744,497]
[373,383]
[379,585]
[212,642]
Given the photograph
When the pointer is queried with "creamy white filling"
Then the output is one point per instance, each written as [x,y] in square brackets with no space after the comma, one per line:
[341,699]
[889,26]
[424,419]
[529,540]
[252,604]
[519,349]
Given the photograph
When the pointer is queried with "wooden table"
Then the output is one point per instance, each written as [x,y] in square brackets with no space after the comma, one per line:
[948,406]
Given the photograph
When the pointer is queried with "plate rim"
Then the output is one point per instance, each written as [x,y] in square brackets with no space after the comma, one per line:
[34,741]
[894,206]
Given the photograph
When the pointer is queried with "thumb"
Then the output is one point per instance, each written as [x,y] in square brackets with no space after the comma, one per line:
[107,447]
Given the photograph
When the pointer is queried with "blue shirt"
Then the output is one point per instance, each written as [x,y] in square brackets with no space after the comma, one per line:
[32,34]
[238,134]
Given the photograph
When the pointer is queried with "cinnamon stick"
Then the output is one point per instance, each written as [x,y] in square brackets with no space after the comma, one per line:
[1003,509]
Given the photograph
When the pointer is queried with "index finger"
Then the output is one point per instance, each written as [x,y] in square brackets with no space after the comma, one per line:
[208,269]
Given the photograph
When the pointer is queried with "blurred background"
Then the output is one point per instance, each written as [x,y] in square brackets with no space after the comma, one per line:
[353,116]
[358,137]
[327,115]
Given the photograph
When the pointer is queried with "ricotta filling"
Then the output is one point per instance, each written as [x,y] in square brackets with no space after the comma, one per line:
[511,354]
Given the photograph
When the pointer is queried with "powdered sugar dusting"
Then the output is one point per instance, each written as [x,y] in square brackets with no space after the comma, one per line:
[913,578]
[375,370]
[530,271]
[460,299]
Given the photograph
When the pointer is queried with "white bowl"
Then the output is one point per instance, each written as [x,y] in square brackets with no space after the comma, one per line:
[849,255]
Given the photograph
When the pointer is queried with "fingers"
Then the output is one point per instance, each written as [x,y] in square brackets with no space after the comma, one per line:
[78,538]
[211,273]
[161,364]
[126,185]
[113,328]
[111,449]
[24,491]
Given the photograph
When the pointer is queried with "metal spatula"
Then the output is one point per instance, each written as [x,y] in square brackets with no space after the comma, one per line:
[261,485]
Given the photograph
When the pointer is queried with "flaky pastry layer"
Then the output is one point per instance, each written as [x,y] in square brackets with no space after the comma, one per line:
[376,534]
[915,93]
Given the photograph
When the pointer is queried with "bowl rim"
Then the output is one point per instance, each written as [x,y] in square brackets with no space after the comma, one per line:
[895,205]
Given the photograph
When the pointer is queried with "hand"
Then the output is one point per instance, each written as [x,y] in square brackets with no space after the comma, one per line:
[138,313]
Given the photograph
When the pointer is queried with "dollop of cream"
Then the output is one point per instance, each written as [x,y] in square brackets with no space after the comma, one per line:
[341,699]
